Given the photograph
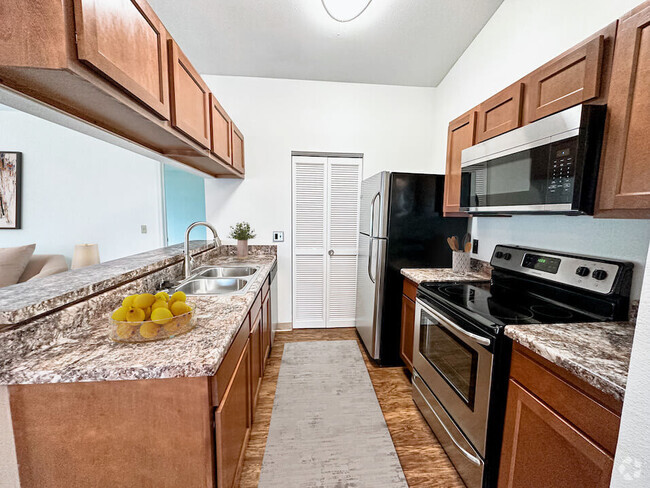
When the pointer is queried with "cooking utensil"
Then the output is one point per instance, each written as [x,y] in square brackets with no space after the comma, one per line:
[450,241]
[454,240]
[468,246]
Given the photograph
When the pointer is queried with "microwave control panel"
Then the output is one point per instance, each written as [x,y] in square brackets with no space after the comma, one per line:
[562,171]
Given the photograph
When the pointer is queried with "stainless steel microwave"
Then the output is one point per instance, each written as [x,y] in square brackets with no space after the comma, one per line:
[548,166]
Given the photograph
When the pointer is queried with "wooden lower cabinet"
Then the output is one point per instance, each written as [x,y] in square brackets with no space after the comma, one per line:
[233,423]
[408,324]
[266,328]
[256,357]
[556,434]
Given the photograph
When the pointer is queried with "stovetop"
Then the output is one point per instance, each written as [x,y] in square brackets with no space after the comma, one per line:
[498,306]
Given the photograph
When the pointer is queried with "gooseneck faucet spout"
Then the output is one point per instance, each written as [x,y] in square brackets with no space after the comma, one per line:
[188,257]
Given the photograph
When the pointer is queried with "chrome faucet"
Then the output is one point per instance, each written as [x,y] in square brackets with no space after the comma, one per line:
[188,257]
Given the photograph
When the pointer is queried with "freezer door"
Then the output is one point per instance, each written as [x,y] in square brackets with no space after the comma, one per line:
[373,213]
[370,281]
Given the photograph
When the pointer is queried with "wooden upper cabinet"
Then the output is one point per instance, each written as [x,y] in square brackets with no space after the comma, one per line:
[500,113]
[571,79]
[190,98]
[542,450]
[625,164]
[220,127]
[127,42]
[237,149]
[460,136]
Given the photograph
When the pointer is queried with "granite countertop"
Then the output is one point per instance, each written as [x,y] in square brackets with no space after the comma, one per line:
[33,298]
[89,354]
[598,352]
[420,275]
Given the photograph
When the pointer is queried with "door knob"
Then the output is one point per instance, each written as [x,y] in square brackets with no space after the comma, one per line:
[331,252]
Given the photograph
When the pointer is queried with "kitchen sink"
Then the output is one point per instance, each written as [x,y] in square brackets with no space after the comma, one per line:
[212,286]
[227,272]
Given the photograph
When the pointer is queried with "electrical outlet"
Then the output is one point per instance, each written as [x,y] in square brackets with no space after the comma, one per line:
[474,246]
[278,236]
[143,229]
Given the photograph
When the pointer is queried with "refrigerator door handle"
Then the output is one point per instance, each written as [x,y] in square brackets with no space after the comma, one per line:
[372,214]
[370,243]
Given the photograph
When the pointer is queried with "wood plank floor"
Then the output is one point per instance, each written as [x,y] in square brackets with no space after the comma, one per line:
[423,460]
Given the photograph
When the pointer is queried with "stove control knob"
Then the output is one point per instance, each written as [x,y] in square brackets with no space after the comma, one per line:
[599,274]
[582,271]
[507,256]
[498,254]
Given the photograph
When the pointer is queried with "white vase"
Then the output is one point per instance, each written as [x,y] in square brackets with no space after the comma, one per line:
[242,249]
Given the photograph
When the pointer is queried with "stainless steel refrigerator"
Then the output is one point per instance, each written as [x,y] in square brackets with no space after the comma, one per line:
[401,225]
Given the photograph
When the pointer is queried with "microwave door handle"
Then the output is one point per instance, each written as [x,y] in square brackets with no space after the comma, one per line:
[467,454]
[476,338]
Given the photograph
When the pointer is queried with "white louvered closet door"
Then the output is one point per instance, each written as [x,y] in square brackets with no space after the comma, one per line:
[325,234]
[344,178]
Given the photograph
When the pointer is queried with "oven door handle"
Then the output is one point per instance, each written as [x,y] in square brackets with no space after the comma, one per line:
[475,337]
[465,452]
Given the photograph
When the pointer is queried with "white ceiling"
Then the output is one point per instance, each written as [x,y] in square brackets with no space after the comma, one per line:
[394,42]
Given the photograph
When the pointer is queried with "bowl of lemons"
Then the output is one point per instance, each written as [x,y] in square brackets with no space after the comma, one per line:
[147,317]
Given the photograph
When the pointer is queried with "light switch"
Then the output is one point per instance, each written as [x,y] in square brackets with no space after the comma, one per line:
[278,236]
[143,229]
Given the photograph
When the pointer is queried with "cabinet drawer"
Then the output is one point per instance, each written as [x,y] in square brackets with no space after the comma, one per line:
[266,286]
[589,416]
[256,307]
[221,380]
[500,113]
[572,79]
[127,42]
[190,98]
[220,128]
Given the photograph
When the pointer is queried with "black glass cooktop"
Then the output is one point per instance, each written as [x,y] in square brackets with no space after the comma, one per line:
[501,305]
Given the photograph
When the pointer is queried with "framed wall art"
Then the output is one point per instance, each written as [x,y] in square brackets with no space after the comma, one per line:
[10,189]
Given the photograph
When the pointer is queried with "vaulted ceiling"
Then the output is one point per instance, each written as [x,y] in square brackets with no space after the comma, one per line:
[395,42]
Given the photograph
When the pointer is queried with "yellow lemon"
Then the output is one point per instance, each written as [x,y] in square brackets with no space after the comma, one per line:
[179,308]
[135,315]
[144,301]
[128,301]
[119,315]
[159,304]
[179,296]
[172,326]
[162,295]
[147,313]
[161,316]
[148,330]
[124,330]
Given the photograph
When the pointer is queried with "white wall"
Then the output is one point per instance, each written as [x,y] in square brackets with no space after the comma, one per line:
[390,125]
[632,462]
[78,189]
[520,36]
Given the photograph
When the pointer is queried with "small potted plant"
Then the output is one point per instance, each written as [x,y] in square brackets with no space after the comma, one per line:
[242,232]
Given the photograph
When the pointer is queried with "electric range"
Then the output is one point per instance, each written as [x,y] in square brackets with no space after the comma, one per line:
[462,358]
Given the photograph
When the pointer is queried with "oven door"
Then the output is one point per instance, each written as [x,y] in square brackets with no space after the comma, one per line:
[456,364]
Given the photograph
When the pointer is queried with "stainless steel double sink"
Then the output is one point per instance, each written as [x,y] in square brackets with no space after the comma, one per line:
[219,280]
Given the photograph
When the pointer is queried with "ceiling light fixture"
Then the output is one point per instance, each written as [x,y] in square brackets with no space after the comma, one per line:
[345,10]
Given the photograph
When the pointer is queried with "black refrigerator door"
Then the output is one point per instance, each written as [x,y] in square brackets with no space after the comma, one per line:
[417,238]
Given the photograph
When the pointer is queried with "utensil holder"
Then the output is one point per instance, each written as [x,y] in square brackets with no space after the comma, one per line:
[460,262]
